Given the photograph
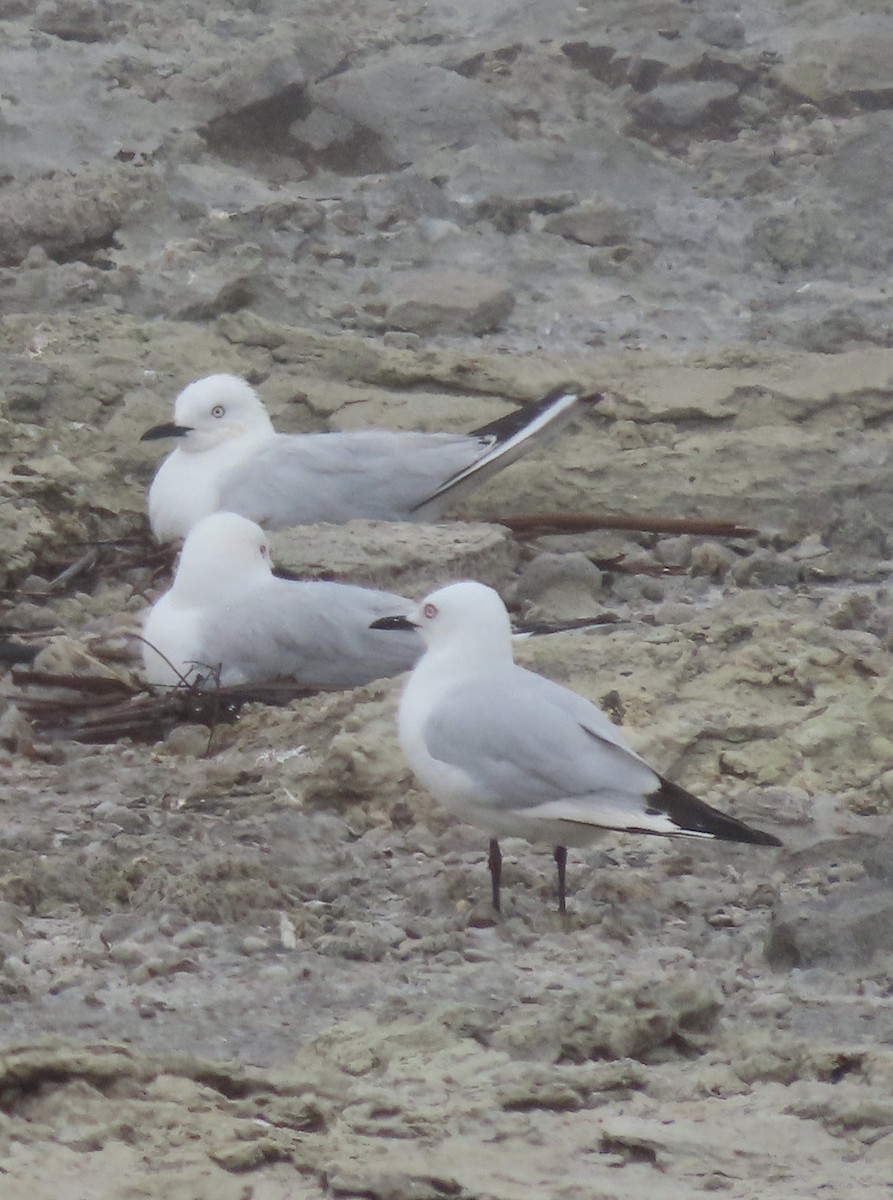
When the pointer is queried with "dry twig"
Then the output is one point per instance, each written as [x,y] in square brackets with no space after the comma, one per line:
[537,524]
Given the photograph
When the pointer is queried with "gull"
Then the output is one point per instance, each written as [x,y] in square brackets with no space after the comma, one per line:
[230,458]
[520,756]
[228,619]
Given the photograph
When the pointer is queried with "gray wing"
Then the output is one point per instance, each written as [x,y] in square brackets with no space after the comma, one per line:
[317,633]
[537,750]
[527,742]
[335,477]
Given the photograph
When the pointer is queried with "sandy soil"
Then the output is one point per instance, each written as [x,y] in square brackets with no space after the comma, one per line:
[254,961]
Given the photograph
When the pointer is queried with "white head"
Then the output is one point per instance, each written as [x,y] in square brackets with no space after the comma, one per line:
[212,411]
[222,551]
[466,619]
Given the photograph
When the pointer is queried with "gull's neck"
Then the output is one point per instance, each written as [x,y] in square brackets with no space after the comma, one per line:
[230,449]
[468,653]
[201,583]
[472,651]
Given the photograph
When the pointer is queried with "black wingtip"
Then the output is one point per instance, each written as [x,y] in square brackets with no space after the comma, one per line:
[507,426]
[504,439]
[693,816]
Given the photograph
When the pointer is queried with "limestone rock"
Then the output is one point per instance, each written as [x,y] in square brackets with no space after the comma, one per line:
[703,107]
[449,302]
[800,238]
[723,29]
[81,21]
[553,583]
[837,72]
[68,210]
[847,927]
[593,224]
[366,110]
[406,558]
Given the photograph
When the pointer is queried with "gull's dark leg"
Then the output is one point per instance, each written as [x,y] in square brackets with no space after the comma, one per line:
[561,863]
[494,862]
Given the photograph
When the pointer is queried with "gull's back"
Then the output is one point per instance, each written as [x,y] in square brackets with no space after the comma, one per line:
[300,479]
[314,632]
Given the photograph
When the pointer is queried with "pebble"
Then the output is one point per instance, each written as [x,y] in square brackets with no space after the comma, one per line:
[159,967]
[674,551]
[252,944]
[726,918]
[762,569]
[188,741]
[193,936]
[128,954]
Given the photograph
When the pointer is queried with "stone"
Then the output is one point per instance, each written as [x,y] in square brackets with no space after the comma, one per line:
[799,238]
[838,328]
[723,29]
[668,1016]
[593,224]
[405,558]
[359,124]
[675,551]
[834,73]
[449,302]
[188,741]
[68,210]
[347,1182]
[860,170]
[712,559]
[78,21]
[206,296]
[764,568]
[625,260]
[256,87]
[561,586]
[847,927]
[700,107]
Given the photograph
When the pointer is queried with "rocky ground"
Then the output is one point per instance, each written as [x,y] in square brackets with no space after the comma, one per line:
[253,961]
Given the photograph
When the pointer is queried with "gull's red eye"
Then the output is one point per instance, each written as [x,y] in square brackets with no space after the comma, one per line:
[263,551]
[430,611]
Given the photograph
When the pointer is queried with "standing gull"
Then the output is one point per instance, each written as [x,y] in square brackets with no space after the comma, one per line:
[227,618]
[521,756]
[230,458]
